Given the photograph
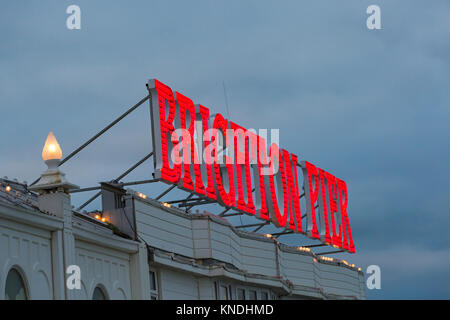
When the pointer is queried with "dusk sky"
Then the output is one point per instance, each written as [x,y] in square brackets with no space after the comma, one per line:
[370,106]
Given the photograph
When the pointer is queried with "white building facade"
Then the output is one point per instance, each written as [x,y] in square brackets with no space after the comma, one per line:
[146,249]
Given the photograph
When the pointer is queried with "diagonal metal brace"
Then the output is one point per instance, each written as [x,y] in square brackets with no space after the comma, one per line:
[252,225]
[329,252]
[99,134]
[262,225]
[165,192]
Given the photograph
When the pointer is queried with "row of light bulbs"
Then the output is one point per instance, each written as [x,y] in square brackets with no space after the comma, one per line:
[267,235]
[100,218]
[52,150]
[343,261]
[141,195]
[329,259]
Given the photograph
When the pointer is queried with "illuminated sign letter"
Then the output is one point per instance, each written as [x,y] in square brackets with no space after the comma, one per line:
[242,160]
[223,172]
[336,238]
[323,209]
[278,217]
[226,163]
[311,186]
[163,115]
[292,197]
[258,146]
[207,146]
[342,207]
[190,155]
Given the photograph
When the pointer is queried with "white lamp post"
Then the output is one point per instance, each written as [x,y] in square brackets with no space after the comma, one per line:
[52,179]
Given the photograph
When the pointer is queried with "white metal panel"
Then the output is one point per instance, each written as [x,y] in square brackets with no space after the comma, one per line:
[178,285]
[164,230]
[29,251]
[204,237]
[298,268]
[103,267]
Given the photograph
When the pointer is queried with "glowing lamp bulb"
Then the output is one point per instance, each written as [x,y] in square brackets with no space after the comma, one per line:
[8,189]
[52,150]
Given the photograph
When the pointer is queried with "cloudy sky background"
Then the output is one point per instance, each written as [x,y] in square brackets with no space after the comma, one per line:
[372,107]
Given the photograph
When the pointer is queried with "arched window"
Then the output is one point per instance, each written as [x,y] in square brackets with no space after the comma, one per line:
[99,294]
[15,286]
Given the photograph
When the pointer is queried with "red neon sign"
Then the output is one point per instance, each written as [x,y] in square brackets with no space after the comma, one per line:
[193,152]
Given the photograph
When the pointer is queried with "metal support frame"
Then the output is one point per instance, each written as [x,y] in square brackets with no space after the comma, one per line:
[222,214]
[134,183]
[188,199]
[99,133]
[84,189]
[252,225]
[329,252]
[196,203]
[165,192]
[122,184]
[133,167]
[315,245]
[188,202]
[276,235]
[232,214]
[89,201]
[137,164]
[262,225]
